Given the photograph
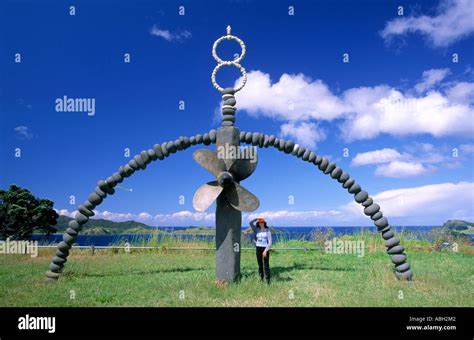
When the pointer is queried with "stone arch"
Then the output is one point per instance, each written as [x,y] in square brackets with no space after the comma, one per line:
[161,151]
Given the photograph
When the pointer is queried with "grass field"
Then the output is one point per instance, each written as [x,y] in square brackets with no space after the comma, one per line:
[187,278]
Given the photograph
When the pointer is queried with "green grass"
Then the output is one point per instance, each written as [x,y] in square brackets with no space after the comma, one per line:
[299,278]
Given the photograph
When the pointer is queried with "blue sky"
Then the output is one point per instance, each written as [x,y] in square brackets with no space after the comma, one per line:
[402,106]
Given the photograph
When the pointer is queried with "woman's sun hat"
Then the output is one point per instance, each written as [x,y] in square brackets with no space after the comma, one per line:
[261,219]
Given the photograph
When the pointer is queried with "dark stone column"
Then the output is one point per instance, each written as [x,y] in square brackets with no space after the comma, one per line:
[228,220]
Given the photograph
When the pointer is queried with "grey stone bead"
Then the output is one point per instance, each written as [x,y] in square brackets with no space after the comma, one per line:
[228,111]
[300,152]
[289,145]
[248,137]
[187,143]
[69,238]
[158,151]
[213,135]
[192,140]
[231,101]
[227,123]
[81,218]
[266,141]
[122,172]
[344,177]
[172,148]
[396,250]
[145,157]
[271,140]
[63,253]
[164,148]
[242,136]
[111,181]
[51,276]
[117,177]
[128,170]
[55,268]
[388,234]
[402,267]
[361,196]
[152,155]
[255,138]
[295,150]
[318,160]
[133,164]
[261,139]
[306,154]
[381,222]
[323,165]
[206,139]
[355,188]
[281,144]
[95,199]
[59,260]
[399,258]
[387,228]
[347,184]
[100,192]
[85,211]
[336,173]
[178,143]
[140,162]
[63,246]
[88,205]
[198,138]
[312,157]
[368,202]
[72,232]
[330,168]
[405,275]
[391,242]
[376,216]
[371,209]
[228,90]
[103,185]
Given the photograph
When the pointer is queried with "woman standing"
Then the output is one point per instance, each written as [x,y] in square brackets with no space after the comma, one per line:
[263,242]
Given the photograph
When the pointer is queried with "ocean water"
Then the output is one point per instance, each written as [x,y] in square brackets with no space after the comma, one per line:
[289,233]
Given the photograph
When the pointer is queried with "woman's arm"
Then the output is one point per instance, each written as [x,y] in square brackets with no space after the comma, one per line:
[252,224]
[267,248]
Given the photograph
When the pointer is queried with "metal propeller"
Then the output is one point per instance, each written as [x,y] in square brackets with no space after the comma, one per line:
[228,175]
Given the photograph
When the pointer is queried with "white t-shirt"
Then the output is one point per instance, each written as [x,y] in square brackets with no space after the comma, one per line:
[264,238]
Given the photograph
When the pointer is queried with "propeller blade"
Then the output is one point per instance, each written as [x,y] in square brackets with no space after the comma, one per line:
[243,167]
[206,195]
[209,161]
[241,199]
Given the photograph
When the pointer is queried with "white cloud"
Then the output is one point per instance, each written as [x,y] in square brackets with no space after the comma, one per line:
[364,112]
[454,21]
[399,169]
[23,132]
[168,35]
[304,133]
[292,98]
[431,78]
[376,157]
[429,204]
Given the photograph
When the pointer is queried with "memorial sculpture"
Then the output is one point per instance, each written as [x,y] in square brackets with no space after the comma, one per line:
[230,196]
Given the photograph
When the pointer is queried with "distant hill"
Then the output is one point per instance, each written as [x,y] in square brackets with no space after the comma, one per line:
[104,227]
[460,226]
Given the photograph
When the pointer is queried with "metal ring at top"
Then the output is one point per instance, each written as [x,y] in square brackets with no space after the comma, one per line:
[235,62]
